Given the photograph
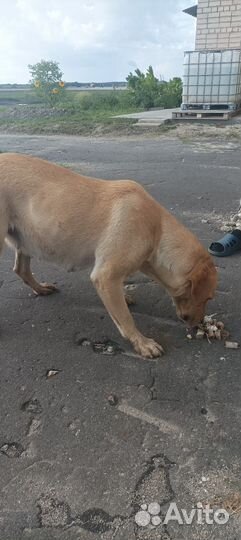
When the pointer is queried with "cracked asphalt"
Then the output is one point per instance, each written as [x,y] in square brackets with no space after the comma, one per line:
[82,451]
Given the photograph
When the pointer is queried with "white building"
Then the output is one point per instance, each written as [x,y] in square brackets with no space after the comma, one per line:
[212,73]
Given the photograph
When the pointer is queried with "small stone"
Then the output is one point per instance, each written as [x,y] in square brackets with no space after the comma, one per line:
[211,332]
[214,328]
[112,400]
[142,518]
[235,218]
[208,319]
[52,372]
[72,426]
[107,347]
[189,336]
[80,340]
[110,349]
[85,343]
[200,334]
[156,520]
[225,228]
[154,509]
[218,334]
[64,409]
[220,325]
[231,345]
[144,506]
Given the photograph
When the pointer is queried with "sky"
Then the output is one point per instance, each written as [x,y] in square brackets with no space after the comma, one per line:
[94,40]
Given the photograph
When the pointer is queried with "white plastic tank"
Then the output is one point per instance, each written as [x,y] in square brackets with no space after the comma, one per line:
[212,78]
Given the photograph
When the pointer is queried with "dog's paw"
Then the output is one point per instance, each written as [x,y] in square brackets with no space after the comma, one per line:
[148,348]
[43,289]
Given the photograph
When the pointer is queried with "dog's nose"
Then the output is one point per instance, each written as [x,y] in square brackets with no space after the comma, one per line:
[185,318]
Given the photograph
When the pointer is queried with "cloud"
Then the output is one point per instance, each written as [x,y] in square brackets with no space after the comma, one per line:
[94,39]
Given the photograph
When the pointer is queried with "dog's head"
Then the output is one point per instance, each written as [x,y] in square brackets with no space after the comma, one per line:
[191,298]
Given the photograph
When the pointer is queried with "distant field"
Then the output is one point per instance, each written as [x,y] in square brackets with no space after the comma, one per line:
[28,96]
[17,96]
[80,112]
[100,99]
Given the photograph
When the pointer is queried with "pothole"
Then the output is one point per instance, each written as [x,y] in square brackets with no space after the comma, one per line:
[32,406]
[107,346]
[12,450]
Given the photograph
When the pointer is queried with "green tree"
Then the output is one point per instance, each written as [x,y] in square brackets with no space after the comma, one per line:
[144,86]
[172,93]
[46,78]
[149,92]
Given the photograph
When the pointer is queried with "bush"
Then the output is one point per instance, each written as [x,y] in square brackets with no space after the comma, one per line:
[102,100]
[99,101]
[144,87]
[148,92]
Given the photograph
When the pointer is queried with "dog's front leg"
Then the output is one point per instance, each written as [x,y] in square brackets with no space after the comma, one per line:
[110,290]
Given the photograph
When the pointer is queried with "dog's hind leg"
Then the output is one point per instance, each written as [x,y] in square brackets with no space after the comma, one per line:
[23,270]
[3,227]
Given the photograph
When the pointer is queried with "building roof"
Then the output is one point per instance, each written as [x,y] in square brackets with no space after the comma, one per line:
[191,11]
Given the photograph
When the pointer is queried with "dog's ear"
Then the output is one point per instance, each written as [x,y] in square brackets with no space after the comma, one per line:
[200,284]
[183,290]
[203,281]
[199,281]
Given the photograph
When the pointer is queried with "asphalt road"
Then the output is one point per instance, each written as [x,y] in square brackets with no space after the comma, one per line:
[81,451]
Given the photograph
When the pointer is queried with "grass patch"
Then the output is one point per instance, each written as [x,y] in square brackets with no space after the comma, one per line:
[78,124]
[79,113]
[18,97]
[165,128]
[235,133]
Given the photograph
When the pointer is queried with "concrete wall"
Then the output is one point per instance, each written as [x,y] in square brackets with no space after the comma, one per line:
[218,24]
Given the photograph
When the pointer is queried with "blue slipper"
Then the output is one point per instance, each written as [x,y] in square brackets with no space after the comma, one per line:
[228,245]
